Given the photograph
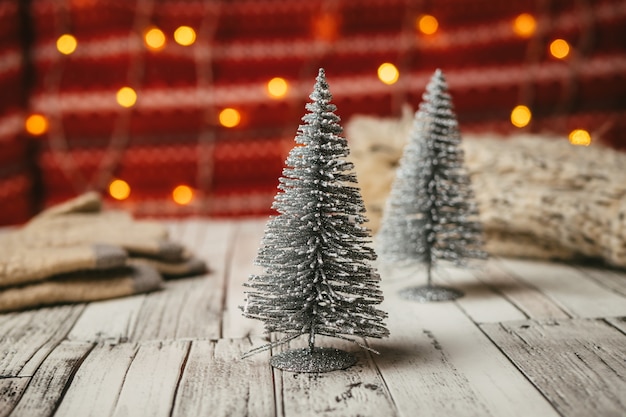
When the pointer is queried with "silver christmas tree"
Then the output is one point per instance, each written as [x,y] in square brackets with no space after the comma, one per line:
[318,278]
[431,214]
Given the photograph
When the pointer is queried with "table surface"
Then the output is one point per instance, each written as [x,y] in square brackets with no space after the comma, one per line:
[528,339]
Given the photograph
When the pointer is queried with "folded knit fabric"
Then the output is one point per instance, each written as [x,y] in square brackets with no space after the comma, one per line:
[77,252]
[539,196]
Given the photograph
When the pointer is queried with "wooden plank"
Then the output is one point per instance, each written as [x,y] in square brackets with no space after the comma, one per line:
[358,390]
[47,386]
[480,302]
[240,267]
[574,292]
[150,385]
[11,390]
[578,364]
[98,382]
[618,322]
[108,321]
[217,382]
[524,296]
[612,279]
[190,307]
[437,362]
[27,338]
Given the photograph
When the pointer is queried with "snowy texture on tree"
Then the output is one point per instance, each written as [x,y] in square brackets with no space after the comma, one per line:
[316,254]
[431,214]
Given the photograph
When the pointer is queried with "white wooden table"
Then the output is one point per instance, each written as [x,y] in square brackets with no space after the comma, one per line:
[528,339]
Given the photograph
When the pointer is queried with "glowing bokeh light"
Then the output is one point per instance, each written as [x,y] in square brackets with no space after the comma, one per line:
[119,189]
[427,24]
[580,137]
[524,25]
[154,38]
[185,35]
[277,87]
[559,48]
[36,124]
[520,116]
[229,117]
[182,195]
[388,73]
[66,44]
[126,97]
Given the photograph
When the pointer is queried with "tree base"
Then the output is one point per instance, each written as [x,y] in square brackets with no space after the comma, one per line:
[320,360]
[430,293]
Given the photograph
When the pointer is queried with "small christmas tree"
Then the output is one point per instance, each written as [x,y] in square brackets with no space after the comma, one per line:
[318,278]
[431,214]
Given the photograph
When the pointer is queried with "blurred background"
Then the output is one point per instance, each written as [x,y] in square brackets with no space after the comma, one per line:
[189,107]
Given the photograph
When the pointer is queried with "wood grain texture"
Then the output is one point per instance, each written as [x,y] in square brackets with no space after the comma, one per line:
[528,339]
[149,387]
[47,386]
[27,338]
[612,279]
[577,364]
[217,382]
[190,307]
[528,299]
[11,390]
[108,321]
[241,266]
[97,383]
[438,363]
[358,390]
[569,288]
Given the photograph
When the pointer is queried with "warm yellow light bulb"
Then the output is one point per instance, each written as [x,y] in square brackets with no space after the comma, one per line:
[427,24]
[119,189]
[580,137]
[388,73]
[524,25]
[126,97]
[520,116]
[559,48]
[277,87]
[229,117]
[66,44]
[182,195]
[185,35]
[36,124]
[154,38]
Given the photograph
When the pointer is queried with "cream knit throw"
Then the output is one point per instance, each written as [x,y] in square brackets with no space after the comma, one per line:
[538,196]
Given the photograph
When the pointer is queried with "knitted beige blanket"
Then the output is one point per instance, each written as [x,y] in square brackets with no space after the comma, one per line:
[539,196]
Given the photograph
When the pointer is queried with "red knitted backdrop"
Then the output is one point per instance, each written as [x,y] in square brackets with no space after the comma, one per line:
[172,136]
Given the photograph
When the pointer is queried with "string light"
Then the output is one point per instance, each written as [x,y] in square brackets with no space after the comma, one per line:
[580,137]
[229,117]
[559,48]
[154,38]
[182,195]
[277,87]
[36,124]
[388,73]
[524,25]
[185,36]
[520,116]
[66,44]
[427,24]
[126,97]
[119,189]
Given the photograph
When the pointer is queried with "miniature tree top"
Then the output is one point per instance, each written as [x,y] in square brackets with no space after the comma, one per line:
[431,213]
[315,253]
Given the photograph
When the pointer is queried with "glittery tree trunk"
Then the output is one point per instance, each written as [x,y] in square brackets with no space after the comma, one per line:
[431,215]
[318,278]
